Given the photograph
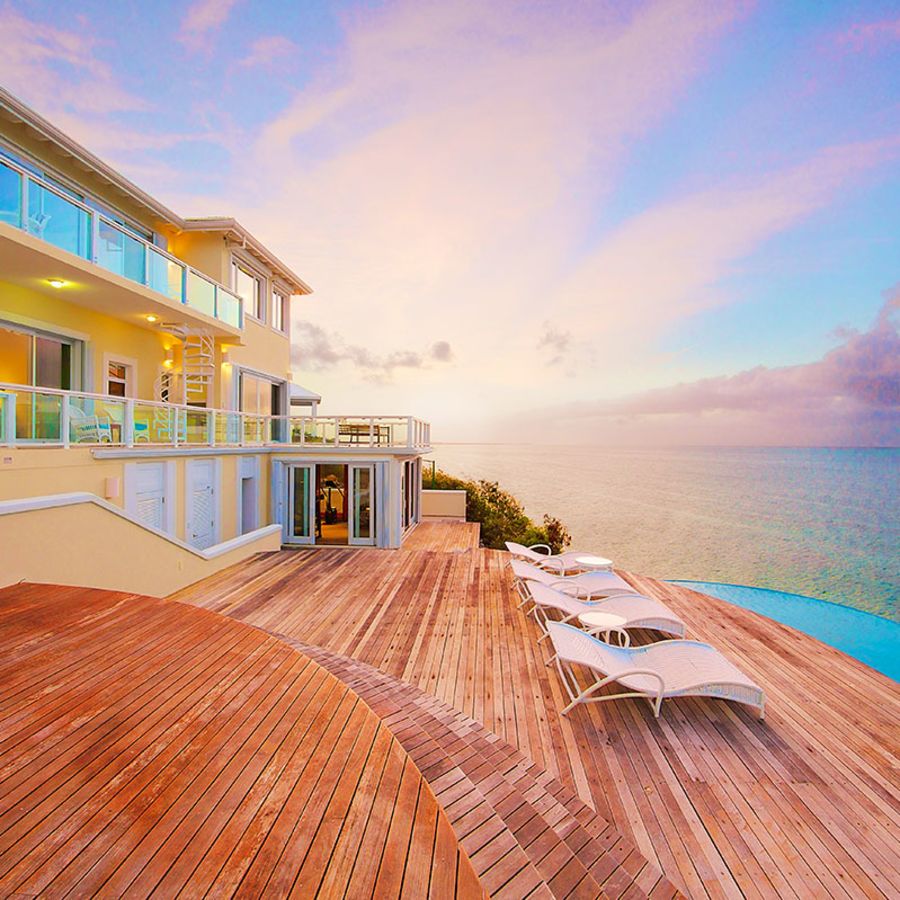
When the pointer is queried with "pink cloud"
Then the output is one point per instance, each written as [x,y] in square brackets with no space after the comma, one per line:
[268,51]
[202,18]
[870,35]
[851,396]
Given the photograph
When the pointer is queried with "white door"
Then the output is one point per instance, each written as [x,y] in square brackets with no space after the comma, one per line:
[300,507]
[200,503]
[361,519]
[148,502]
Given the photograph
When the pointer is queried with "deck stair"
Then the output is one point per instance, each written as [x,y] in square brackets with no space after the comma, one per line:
[525,833]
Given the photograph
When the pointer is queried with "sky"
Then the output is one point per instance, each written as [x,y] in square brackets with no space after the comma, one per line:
[665,222]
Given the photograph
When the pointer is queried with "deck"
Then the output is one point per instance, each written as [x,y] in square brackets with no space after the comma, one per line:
[155,748]
[804,804]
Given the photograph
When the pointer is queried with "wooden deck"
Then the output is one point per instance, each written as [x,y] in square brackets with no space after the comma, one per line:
[804,804]
[443,536]
[149,748]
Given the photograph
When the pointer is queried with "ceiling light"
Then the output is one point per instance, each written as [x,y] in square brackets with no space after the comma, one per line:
[151,318]
[56,282]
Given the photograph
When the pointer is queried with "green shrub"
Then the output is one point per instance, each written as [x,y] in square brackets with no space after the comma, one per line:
[501,515]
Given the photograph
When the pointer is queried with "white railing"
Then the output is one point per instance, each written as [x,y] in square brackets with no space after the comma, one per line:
[50,213]
[36,416]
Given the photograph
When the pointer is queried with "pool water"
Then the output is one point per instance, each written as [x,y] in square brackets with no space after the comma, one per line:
[871,639]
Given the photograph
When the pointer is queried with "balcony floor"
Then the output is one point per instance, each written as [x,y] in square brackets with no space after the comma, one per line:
[804,804]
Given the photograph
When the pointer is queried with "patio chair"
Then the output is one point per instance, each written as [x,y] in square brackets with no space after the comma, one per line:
[637,610]
[561,563]
[88,427]
[586,586]
[655,671]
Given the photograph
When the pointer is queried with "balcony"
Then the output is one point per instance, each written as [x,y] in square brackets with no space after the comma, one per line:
[45,417]
[38,209]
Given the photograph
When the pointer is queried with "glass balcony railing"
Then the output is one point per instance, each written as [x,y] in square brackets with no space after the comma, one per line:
[34,415]
[47,212]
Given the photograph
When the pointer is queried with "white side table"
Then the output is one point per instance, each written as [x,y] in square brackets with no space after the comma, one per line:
[596,623]
[594,563]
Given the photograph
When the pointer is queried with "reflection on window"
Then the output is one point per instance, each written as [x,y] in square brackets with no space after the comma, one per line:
[247,286]
[116,379]
[279,305]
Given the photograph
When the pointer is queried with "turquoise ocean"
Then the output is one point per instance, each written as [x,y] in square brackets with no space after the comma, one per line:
[824,523]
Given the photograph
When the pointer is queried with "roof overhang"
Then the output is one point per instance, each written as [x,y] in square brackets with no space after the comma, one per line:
[15,110]
[233,231]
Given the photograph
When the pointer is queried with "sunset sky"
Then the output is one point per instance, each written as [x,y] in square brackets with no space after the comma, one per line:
[560,222]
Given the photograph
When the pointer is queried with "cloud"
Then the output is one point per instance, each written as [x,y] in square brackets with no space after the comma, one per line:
[870,35]
[268,52]
[59,72]
[411,184]
[663,264]
[557,342]
[202,19]
[315,349]
[441,351]
[851,396]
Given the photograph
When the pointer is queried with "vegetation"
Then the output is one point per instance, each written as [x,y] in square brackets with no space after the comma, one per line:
[501,515]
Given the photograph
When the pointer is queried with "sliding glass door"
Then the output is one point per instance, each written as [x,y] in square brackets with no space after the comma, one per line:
[362,495]
[38,360]
[300,507]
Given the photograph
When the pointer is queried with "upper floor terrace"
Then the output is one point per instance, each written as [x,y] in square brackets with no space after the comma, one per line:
[47,417]
[74,228]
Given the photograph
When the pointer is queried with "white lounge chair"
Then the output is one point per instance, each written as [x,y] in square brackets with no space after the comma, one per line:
[655,671]
[561,563]
[586,586]
[637,610]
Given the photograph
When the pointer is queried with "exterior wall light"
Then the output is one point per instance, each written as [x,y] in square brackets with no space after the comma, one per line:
[56,283]
[151,318]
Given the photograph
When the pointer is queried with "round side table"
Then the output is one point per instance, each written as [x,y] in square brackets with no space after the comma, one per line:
[594,563]
[597,623]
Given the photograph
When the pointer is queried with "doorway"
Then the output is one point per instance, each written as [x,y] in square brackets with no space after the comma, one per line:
[329,504]
[201,503]
[332,510]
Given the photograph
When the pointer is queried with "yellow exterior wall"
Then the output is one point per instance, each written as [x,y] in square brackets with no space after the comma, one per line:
[89,546]
[104,333]
[207,252]
[42,471]
[443,504]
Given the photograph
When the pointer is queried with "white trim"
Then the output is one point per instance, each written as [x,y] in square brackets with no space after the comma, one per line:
[53,501]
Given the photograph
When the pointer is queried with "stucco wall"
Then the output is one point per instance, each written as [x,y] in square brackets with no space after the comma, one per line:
[87,545]
[443,504]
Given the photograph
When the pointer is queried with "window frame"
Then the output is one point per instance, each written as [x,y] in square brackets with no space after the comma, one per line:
[283,307]
[239,264]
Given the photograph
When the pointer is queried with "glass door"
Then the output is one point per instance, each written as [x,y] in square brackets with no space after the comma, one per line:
[300,505]
[362,518]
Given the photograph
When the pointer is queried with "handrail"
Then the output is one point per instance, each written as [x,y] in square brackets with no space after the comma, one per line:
[94,218]
[86,418]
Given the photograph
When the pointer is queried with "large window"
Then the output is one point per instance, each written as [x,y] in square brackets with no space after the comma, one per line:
[279,309]
[248,286]
[260,395]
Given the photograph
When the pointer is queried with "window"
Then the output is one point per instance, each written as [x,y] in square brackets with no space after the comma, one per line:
[260,395]
[279,306]
[247,286]
[117,379]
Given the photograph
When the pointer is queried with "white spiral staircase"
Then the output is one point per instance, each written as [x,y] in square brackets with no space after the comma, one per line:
[192,383]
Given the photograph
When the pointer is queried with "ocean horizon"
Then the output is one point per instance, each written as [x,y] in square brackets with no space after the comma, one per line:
[822,522]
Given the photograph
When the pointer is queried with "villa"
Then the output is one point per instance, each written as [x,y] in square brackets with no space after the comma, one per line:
[244,654]
[145,360]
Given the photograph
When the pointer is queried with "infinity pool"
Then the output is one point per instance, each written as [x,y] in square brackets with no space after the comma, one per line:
[869,638]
